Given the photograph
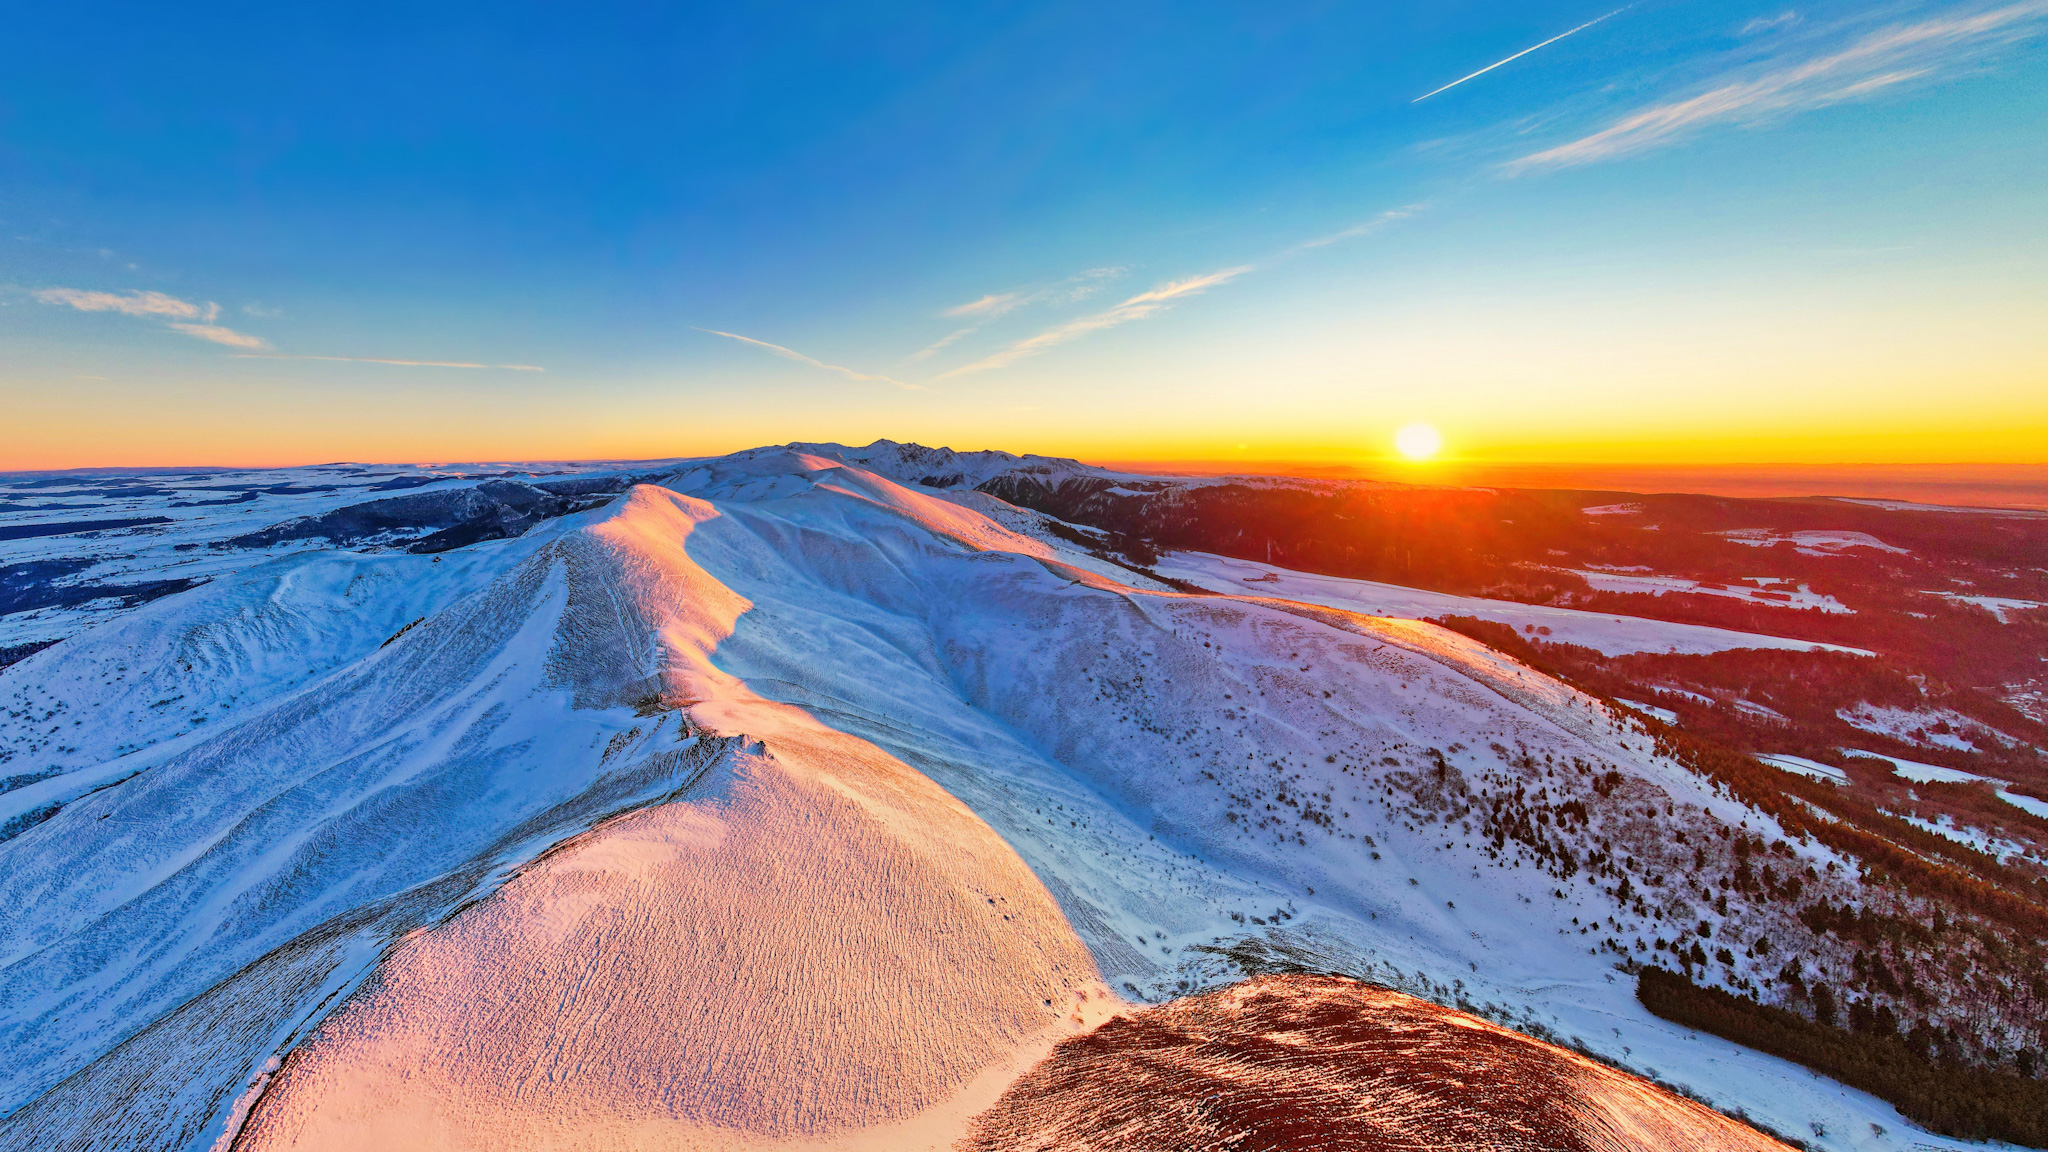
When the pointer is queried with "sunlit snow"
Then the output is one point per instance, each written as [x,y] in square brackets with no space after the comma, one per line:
[780,803]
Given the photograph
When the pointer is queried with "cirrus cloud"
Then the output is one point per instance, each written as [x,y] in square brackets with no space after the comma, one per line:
[198,321]
[1138,307]
[1764,24]
[1875,61]
[978,313]
[992,304]
[793,354]
[127,303]
[179,315]
[220,335]
[399,363]
[1364,228]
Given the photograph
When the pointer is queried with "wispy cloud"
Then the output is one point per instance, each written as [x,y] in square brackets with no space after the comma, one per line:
[1874,62]
[793,354]
[1138,307]
[1363,228]
[979,313]
[126,303]
[990,305]
[939,345]
[1519,55]
[1079,286]
[1082,284]
[1144,304]
[400,363]
[179,315]
[1764,24]
[220,335]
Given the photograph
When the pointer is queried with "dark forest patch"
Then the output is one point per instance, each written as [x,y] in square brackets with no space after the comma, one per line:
[42,584]
[15,654]
[1911,1069]
[67,527]
[427,521]
[244,498]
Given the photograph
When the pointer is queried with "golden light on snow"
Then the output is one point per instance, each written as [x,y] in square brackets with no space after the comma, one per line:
[1418,441]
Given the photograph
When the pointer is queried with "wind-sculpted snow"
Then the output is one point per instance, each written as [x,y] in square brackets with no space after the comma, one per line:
[783,805]
[1294,1062]
[1187,773]
[340,811]
[816,940]
[233,890]
[815,943]
[166,679]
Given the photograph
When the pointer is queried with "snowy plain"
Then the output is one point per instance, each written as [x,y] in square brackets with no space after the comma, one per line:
[1611,635]
[1811,542]
[1996,605]
[1766,589]
[1812,769]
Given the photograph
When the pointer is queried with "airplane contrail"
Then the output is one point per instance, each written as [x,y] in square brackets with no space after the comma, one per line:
[1522,53]
[793,354]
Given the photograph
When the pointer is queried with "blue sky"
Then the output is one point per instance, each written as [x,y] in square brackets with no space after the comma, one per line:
[1705,229]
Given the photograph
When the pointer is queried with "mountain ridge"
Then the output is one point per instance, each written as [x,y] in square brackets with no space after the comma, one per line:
[1190,782]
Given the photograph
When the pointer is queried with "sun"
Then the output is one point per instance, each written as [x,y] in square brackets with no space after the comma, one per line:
[1418,441]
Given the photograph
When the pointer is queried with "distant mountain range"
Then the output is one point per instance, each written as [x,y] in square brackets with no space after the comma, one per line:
[896,797]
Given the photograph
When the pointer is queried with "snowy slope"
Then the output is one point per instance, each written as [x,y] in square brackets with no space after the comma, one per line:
[191,917]
[762,931]
[159,682]
[1109,736]
[878,788]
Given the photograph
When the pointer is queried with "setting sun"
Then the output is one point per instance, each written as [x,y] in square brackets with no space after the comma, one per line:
[1418,441]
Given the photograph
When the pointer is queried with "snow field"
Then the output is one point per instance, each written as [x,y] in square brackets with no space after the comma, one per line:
[1996,605]
[1800,765]
[1811,542]
[1800,597]
[1920,773]
[1610,635]
[791,954]
[820,720]
[1101,707]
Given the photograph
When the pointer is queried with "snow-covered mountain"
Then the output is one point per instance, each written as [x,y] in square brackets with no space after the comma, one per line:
[77,549]
[808,797]
[943,467]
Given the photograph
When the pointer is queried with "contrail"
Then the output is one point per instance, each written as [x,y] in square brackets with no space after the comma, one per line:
[376,360]
[1522,53]
[793,354]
